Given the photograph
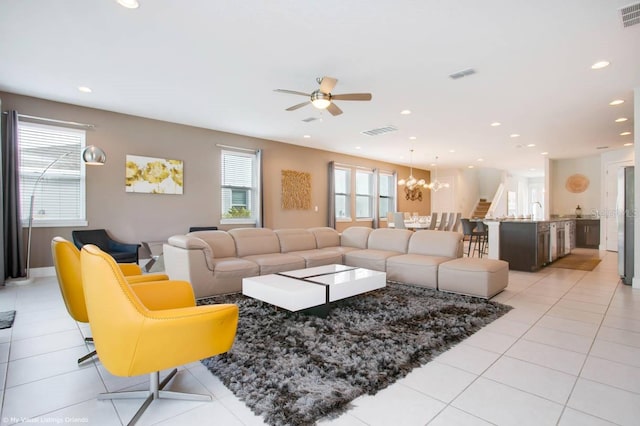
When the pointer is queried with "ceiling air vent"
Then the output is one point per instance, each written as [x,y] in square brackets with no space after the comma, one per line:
[310,119]
[379,131]
[463,73]
[630,15]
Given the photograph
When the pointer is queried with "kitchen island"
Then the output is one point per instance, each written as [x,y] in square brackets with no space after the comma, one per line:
[529,245]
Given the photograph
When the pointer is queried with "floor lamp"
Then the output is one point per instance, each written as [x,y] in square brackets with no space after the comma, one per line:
[91,155]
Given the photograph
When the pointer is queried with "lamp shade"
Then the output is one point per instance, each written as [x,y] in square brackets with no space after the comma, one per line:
[94,156]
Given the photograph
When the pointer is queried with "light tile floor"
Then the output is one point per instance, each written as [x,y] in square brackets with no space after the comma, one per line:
[568,354]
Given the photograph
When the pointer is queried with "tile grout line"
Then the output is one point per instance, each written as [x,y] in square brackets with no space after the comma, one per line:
[587,354]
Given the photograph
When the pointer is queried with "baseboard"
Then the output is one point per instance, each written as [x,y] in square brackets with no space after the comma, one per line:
[48,271]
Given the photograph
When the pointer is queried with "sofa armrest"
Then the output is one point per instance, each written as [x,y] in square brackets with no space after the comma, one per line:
[188,258]
[188,242]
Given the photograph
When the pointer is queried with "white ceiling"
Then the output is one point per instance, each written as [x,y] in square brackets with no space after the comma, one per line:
[215,64]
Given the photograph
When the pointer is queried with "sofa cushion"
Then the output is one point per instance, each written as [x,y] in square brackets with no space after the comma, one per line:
[355,236]
[325,237]
[369,259]
[474,276]
[221,243]
[271,263]
[227,276]
[415,269]
[436,243]
[295,240]
[319,257]
[253,241]
[389,239]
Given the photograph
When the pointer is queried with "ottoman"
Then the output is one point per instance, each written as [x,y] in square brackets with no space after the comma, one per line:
[473,276]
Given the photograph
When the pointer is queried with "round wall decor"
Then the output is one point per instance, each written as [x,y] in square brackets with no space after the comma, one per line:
[577,183]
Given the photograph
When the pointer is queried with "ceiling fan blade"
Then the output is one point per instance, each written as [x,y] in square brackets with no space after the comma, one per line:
[295,107]
[292,92]
[352,97]
[327,84]
[333,109]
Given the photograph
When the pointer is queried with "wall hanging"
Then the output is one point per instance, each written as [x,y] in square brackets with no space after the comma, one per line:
[296,190]
[577,183]
[153,175]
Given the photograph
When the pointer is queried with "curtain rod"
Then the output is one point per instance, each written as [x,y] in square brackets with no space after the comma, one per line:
[237,148]
[53,120]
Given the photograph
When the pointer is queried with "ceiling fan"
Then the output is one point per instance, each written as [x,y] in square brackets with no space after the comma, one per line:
[323,99]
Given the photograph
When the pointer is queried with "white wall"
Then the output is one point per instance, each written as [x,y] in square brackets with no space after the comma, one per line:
[564,202]
[636,230]
[489,180]
[465,190]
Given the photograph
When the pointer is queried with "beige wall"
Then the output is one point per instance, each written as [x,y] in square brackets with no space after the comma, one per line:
[150,217]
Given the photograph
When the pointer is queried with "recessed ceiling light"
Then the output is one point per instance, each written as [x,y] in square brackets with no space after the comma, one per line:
[84,89]
[599,65]
[531,145]
[628,144]
[621,119]
[413,138]
[544,153]
[405,112]
[514,135]
[357,147]
[532,169]
[432,164]
[495,124]
[480,159]
[129,4]
[452,150]
[307,136]
[471,166]
[625,133]
[616,102]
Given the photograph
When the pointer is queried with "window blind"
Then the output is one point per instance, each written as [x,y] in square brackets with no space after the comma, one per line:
[60,195]
[240,192]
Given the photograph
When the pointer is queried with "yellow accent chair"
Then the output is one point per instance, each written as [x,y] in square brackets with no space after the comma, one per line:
[66,259]
[133,338]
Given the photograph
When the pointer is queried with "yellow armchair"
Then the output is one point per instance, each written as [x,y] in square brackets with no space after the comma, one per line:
[66,260]
[139,340]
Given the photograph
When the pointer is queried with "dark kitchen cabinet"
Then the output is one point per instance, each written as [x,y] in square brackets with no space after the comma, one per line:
[525,245]
[587,233]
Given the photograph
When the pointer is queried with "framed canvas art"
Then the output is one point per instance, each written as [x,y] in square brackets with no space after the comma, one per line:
[151,175]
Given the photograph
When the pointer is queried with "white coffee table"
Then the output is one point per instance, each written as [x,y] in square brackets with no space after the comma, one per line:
[316,288]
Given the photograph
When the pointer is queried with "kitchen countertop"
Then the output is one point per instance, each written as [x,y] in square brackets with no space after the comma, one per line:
[512,220]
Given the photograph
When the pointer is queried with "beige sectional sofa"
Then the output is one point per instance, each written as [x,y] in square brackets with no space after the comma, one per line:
[215,262]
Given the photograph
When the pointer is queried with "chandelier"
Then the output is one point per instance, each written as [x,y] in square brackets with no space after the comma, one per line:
[412,186]
[436,185]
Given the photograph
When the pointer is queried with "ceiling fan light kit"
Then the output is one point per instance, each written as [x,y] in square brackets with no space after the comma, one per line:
[320,100]
[322,97]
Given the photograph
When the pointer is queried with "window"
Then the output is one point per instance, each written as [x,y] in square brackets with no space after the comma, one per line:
[364,194]
[387,195]
[343,193]
[240,173]
[59,196]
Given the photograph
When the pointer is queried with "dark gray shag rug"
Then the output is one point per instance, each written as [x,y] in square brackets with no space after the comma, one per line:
[6,319]
[295,369]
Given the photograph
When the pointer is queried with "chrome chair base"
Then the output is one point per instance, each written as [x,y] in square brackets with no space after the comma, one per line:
[155,392]
[90,354]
